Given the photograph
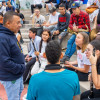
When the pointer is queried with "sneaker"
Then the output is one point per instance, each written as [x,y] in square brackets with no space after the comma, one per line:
[31,15]
[65,58]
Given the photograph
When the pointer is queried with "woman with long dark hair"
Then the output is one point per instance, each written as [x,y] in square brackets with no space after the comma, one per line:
[46,37]
[94,48]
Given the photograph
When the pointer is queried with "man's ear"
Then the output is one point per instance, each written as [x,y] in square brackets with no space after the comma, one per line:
[44,55]
[61,56]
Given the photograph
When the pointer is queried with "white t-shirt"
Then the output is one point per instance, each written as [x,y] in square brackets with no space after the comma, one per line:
[82,59]
[3,10]
[44,44]
[53,19]
[39,20]
[37,2]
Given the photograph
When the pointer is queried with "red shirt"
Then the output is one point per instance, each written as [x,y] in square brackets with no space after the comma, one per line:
[79,20]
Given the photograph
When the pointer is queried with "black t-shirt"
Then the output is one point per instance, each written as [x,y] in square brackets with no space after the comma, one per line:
[98,66]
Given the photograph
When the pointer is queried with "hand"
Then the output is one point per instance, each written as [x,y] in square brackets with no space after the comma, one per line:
[57,32]
[47,25]
[69,9]
[29,59]
[75,28]
[37,25]
[51,3]
[68,64]
[26,57]
[89,77]
[93,60]
[37,53]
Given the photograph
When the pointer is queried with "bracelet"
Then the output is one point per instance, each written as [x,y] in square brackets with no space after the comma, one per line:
[93,65]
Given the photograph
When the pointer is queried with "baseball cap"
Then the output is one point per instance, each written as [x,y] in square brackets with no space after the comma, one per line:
[75,5]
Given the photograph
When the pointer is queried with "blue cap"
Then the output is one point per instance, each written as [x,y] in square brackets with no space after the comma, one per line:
[75,5]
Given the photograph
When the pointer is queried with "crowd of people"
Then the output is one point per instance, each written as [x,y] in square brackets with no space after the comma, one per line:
[41,67]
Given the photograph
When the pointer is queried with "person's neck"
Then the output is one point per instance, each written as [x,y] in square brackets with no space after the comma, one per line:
[38,16]
[55,70]
[78,13]
[63,14]
[80,46]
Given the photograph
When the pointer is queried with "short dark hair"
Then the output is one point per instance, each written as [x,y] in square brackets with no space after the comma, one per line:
[9,16]
[34,30]
[53,9]
[53,51]
[3,2]
[95,44]
[62,5]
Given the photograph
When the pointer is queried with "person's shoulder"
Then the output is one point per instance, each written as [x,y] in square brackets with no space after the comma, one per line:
[84,13]
[42,16]
[67,14]
[38,38]
[37,76]
[70,73]
[57,13]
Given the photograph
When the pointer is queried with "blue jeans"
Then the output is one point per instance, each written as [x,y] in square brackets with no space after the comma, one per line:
[13,89]
[71,46]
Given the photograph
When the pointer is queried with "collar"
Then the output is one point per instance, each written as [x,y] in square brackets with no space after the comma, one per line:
[53,66]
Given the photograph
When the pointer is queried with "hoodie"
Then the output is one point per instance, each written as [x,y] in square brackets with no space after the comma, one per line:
[12,63]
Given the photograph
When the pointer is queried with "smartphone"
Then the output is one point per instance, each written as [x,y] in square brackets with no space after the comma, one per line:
[94,52]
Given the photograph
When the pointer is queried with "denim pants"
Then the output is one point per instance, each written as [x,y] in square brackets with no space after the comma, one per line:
[71,46]
[13,89]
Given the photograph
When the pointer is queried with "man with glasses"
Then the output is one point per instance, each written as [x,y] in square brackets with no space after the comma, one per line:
[38,21]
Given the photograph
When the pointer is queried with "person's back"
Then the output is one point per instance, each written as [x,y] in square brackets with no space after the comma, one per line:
[54,86]
[55,83]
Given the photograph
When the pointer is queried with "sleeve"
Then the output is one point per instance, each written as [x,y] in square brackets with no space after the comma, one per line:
[31,53]
[71,22]
[58,23]
[67,23]
[31,94]
[77,85]
[87,22]
[6,61]
[49,19]
[89,3]
[43,19]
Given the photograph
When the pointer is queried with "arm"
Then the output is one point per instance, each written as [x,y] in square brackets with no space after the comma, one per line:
[31,53]
[58,24]
[84,70]
[71,22]
[89,3]
[87,22]
[95,23]
[95,75]
[6,61]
